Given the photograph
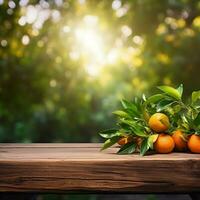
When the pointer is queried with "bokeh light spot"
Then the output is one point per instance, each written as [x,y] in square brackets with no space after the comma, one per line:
[25,40]
[11,4]
[116,4]
[161,29]
[4,43]
[126,31]
[22,21]
[163,58]
[196,21]
[23,3]
[66,29]
[138,40]
[53,83]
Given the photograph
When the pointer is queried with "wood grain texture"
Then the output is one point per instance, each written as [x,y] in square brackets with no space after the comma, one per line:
[82,167]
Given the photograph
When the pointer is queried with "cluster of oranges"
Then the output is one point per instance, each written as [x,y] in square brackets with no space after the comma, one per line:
[165,142]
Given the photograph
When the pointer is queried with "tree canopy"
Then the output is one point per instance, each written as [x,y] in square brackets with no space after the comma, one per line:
[64,65]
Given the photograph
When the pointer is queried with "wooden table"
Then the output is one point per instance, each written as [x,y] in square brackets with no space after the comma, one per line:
[81,167]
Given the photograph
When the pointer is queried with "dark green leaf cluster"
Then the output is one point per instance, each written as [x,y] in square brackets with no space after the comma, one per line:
[190,119]
[131,123]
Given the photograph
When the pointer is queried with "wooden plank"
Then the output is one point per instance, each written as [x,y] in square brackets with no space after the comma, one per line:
[82,167]
[44,145]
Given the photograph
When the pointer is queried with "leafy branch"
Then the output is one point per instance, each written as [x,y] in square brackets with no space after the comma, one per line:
[133,119]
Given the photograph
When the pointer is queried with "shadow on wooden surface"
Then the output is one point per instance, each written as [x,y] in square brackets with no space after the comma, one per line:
[30,196]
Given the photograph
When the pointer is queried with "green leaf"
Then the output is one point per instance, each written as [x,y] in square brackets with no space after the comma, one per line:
[163,105]
[144,97]
[127,122]
[184,118]
[128,148]
[180,90]
[197,120]
[155,98]
[195,96]
[131,108]
[109,133]
[109,142]
[146,115]
[170,91]
[137,129]
[126,104]
[177,108]
[144,147]
[121,113]
[139,132]
[197,132]
[151,140]
[125,127]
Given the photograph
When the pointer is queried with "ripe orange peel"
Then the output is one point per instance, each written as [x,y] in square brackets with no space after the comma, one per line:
[164,143]
[194,143]
[180,140]
[159,122]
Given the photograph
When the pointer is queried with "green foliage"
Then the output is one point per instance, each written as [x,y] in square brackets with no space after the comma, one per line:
[121,113]
[162,105]
[144,146]
[172,92]
[134,116]
[109,142]
[195,96]
[109,133]
[46,93]
[151,140]
[131,122]
[128,148]
[155,98]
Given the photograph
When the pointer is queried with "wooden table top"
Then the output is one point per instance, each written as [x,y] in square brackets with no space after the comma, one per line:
[81,167]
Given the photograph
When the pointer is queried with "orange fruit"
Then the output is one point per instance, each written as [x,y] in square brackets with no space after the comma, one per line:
[159,122]
[194,143]
[164,143]
[180,140]
[124,140]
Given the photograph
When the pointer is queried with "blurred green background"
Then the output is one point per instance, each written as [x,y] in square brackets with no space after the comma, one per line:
[65,64]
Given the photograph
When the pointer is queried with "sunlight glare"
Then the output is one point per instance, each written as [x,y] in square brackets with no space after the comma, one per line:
[91,45]
[90,20]
[93,70]
[113,55]
[90,42]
